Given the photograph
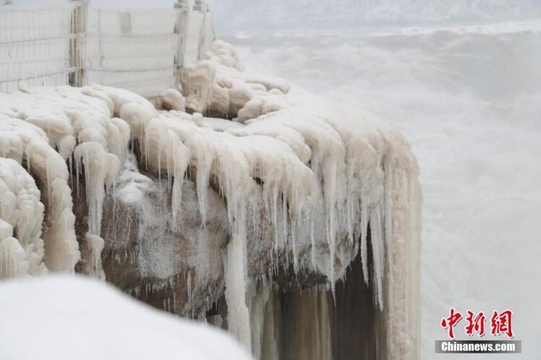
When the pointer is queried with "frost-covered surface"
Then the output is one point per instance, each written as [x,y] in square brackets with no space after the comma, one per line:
[132,48]
[37,55]
[76,317]
[468,98]
[88,42]
[302,178]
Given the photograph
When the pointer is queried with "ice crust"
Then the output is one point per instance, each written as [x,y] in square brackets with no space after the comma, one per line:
[323,176]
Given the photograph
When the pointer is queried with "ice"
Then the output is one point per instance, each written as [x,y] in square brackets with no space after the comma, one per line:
[96,163]
[335,163]
[293,168]
[467,97]
[22,141]
[196,85]
[172,99]
[43,127]
[21,215]
[91,246]
[218,124]
[132,186]
[236,275]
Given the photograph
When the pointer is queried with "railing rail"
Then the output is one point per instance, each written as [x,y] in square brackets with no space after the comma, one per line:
[142,50]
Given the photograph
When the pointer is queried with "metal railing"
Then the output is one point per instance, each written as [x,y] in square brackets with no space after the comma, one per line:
[142,50]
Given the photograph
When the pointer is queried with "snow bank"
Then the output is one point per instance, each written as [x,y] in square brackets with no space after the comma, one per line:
[75,317]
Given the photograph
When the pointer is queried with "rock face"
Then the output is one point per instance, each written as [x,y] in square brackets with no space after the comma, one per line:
[180,270]
[290,221]
[294,316]
[175,267]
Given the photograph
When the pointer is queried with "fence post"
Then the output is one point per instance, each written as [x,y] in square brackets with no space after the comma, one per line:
[207,34]
[181,29]
[200,5]
[77,43]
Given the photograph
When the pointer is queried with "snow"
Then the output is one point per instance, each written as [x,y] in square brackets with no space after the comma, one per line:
[467,97]
[79,317]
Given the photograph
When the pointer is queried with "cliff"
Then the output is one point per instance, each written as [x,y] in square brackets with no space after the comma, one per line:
[291,221]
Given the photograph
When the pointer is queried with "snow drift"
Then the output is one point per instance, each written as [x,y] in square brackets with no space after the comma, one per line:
[254,180]
[82,318]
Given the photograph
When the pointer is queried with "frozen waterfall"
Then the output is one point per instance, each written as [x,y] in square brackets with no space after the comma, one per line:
[211,202]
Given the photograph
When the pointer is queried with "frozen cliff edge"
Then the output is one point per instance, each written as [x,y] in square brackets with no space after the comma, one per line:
[236,189]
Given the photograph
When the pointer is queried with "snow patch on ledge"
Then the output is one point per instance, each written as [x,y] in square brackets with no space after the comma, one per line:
[76,317]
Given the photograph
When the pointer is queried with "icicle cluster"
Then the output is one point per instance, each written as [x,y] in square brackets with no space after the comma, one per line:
[48,128]
[21,216]
[312,178]
[320,171]
[26,143]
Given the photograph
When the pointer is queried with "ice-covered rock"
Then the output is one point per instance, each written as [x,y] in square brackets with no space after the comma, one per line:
[184,210]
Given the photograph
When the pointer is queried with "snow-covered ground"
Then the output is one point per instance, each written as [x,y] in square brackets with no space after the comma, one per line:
[66,317]
[469,100]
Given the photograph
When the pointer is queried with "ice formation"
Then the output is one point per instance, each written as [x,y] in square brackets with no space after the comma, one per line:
[314,179]
[21,215]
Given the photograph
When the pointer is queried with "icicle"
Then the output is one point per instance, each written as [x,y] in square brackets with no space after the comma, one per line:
[378,251]
[21,213]
[364,241]
[96,163]
[91,249]
[235,282]
[257,310]
[294,246]
[13,261]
